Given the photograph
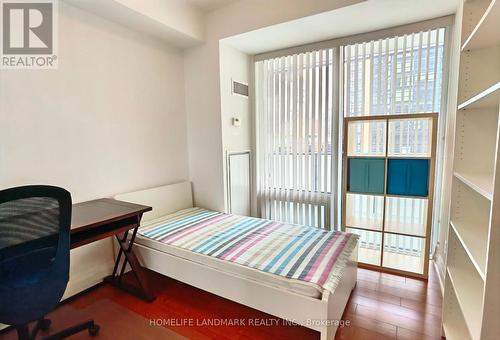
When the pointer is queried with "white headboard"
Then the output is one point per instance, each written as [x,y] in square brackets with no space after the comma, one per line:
[164,200]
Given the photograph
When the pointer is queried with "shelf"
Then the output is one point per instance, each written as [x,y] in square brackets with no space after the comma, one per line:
[480,183]
[364,211]
[485,34]
[488,98]
[474,245]
[369,245]
[453,319]
[470,221]
[467,284]
[406,216]
[367,132]
[411,146]
[410,261]
[365,157]
[479,70]
[408,156]
[470,305]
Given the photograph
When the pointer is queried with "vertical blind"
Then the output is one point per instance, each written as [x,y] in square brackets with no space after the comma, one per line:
[395,75]
[295,133]
[296,137]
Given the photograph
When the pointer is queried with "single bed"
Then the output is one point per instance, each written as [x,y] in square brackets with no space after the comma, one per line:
[301,274]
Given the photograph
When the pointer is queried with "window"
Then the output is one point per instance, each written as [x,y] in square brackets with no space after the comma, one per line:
[298,115]
[375,83]
[392,98]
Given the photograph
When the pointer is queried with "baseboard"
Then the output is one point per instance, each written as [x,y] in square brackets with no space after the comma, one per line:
[439,275]
[89,265]
[80,284]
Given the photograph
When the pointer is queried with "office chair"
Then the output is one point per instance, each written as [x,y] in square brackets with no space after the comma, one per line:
[34,258]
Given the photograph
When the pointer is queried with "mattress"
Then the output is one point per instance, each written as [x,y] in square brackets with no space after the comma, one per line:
[300,259]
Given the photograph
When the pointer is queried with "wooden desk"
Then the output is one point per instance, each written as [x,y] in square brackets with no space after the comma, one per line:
[98,219]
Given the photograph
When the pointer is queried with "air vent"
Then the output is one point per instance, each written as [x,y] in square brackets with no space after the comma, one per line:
[240,89]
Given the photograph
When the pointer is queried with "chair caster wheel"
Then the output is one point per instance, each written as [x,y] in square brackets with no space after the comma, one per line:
[45,324]
[94,330]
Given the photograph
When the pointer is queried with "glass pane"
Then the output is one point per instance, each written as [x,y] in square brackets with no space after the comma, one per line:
[364,211]
[406,215]
[410,137]
[404,253]
[369,246]
[366,138]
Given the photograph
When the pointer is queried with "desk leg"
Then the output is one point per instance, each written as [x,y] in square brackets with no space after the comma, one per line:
[144,290]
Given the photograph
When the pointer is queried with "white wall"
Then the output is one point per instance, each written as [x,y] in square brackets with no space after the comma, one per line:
[203,96]
[234,65]
[111,119]
[201,72]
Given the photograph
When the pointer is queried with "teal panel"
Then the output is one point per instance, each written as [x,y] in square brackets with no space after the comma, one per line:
[408,177]
[366,175]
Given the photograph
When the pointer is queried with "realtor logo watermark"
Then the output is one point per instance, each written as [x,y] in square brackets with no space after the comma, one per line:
[29,34]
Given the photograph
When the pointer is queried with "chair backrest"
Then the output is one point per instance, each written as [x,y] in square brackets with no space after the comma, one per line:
[32,218]
[35,224]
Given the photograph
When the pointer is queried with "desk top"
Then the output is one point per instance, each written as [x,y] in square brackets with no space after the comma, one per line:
[98,212]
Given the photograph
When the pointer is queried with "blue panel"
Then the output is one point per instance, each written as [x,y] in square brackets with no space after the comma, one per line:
[366,175]
[408,177]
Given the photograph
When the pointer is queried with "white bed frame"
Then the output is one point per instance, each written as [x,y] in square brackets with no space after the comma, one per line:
[321,315]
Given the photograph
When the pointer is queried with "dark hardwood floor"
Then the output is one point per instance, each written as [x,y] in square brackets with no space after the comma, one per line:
[385,306]
[382,306]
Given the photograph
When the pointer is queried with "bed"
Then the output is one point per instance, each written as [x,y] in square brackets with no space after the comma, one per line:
[301,274]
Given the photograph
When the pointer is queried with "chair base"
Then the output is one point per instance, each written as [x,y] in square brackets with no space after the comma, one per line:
[23,332]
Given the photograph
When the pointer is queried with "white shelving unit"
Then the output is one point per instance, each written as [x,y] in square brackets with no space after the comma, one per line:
[485,33]
[483,100]
[472,285]
[453,321]
[481,183]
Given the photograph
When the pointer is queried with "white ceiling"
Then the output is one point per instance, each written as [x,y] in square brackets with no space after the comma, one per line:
[209,5]
[175,22]
[363,17]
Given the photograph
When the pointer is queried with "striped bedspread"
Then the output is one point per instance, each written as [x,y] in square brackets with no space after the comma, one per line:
[295,252]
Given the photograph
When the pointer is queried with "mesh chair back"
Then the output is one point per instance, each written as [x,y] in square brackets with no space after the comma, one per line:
[34,251]
[29,224]
[33,217]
